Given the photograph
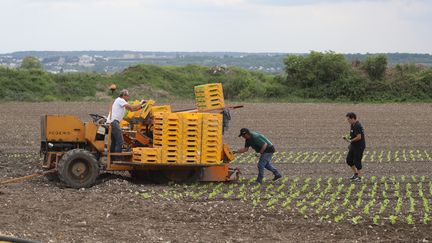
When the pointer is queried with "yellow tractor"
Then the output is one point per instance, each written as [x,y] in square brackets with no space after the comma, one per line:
[159,144]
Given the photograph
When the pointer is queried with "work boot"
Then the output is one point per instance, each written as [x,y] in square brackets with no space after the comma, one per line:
[357,179]
[354,177]
[277,177]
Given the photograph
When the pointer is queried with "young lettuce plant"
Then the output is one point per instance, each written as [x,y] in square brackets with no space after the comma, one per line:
[428,157]
[393,219]
[355,220]
[384,206]
[314,157]
[404,157]
[360,196]
[375,219]
[409,219]
[366,209]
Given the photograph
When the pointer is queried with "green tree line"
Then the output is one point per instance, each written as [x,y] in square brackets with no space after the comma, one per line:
[318,76]
[329,76]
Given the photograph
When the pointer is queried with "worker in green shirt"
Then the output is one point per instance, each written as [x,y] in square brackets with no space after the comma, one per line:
[264,147]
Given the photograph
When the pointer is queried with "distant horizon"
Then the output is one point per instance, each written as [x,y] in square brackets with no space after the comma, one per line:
[247,52]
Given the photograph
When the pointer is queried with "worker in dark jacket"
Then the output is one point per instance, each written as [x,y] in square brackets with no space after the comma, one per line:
[264,147]
[357,146]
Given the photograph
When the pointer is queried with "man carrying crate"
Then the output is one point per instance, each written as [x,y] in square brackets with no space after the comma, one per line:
[116,115]
[264,147]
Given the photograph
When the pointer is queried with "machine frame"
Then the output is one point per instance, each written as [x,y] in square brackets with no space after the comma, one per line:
[77,152]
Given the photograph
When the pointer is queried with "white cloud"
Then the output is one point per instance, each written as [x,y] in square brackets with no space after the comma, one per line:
[217,25]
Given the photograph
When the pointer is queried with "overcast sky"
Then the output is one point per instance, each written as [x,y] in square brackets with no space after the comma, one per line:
[217,25]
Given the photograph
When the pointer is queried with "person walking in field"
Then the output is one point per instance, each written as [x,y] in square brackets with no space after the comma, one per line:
[357,146]
[116,115]
[264,147]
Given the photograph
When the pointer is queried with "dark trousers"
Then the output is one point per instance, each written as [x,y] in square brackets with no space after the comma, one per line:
[116,138]
[265,163]
[355,156]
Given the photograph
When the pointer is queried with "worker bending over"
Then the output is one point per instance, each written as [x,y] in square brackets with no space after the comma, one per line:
[264,147]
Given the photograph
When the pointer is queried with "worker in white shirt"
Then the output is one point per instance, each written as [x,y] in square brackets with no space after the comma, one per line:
[116,115]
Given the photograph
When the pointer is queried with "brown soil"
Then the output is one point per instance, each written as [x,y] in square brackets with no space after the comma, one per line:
[115,211]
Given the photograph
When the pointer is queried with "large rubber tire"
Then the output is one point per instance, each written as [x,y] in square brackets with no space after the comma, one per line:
[78,168]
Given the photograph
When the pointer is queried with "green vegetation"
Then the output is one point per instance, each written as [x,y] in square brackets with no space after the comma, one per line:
[375,67]
[31,63]
[328,76]
[179,81]
[338,157]
[315,77]
[142,80]
[334,200]
[37,85]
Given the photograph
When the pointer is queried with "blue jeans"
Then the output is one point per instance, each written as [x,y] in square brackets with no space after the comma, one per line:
[265,163]
[116,138]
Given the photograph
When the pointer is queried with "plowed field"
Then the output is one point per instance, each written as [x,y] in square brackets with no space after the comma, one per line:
[313,202]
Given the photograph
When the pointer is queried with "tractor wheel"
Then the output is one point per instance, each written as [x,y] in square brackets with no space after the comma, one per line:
[78,168]
[183,175]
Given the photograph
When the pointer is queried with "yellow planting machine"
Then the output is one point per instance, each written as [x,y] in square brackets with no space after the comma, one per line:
[159,144]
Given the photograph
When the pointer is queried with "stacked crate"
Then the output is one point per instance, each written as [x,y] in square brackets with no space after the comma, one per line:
[191,137]
[141,113]
[188,138]
[209,96]
[147,155]
[211,138]
[158,120]
[144,111]
[160,108]
[172,138]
